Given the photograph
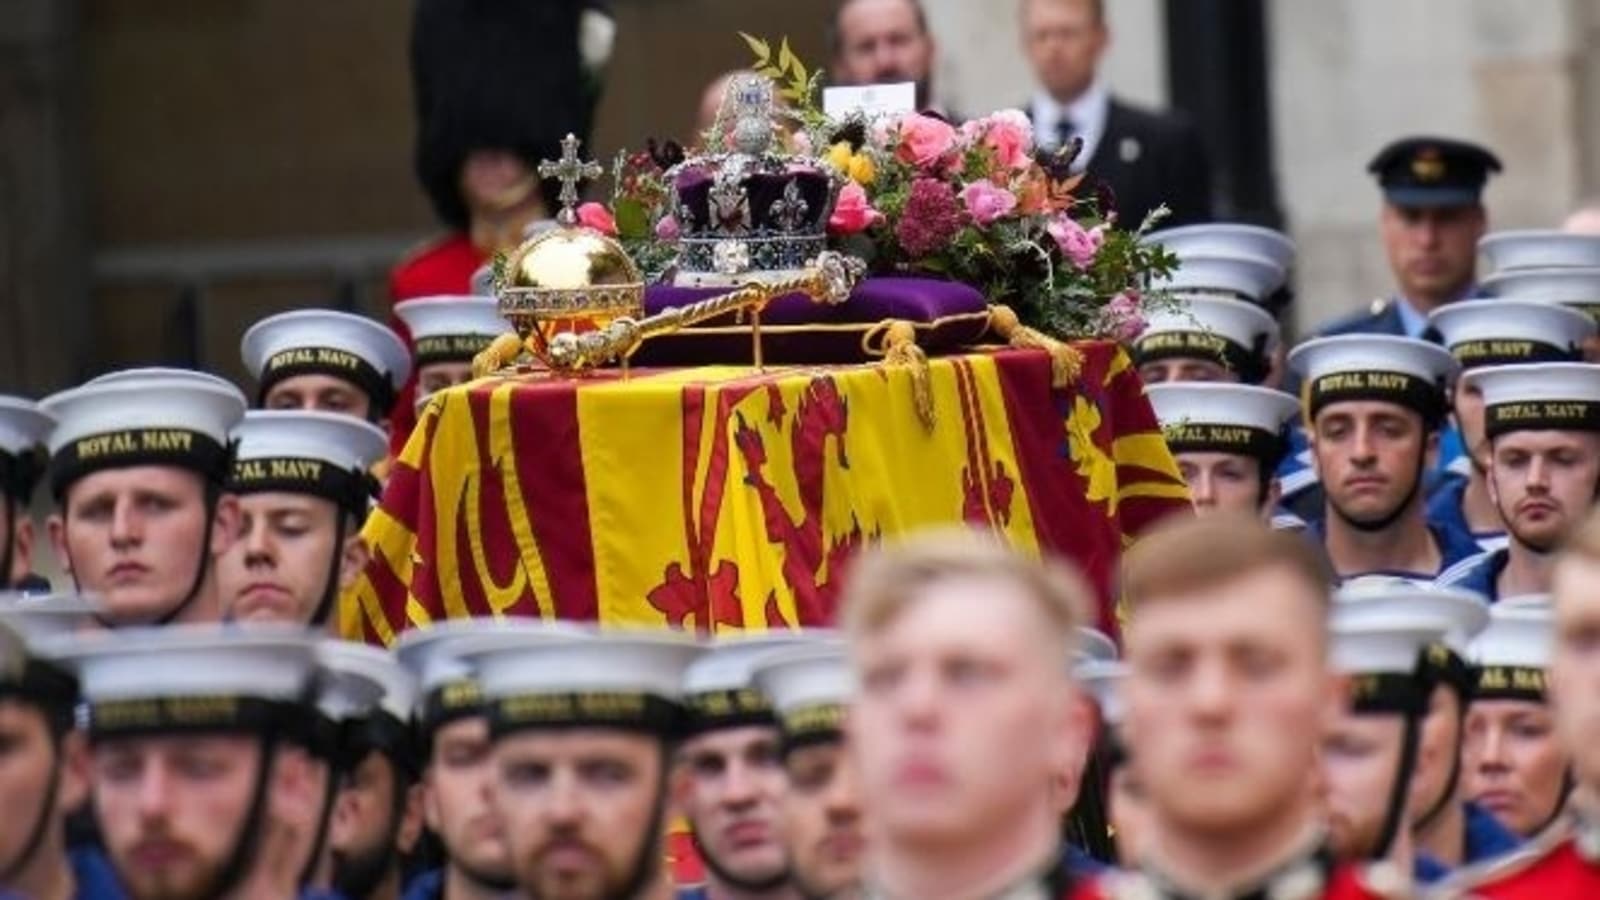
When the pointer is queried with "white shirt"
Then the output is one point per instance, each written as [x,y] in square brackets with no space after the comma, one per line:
[1087,114]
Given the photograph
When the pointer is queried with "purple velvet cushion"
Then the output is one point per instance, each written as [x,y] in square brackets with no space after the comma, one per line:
[794,329]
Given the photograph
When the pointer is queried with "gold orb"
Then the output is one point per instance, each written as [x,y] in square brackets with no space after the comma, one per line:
[568,279]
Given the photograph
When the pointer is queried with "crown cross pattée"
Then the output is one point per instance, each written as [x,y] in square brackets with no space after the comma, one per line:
[571,172]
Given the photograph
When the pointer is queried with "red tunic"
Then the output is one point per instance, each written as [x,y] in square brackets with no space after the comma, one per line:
[1549,867]
[442,267]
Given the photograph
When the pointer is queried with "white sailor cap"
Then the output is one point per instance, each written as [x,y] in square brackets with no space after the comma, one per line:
[178,678]
[1383,653]
[327,342]
[1575,287]
[193,376]
[718,687]
[1512,654]
[41,618]
[1237,335]
[482,282]
[1226,239]
[1093,644]
[811,686]
[1456,614]
[1539,249]
[1507,332]
[307,452]
[23,428]
[15,655]
[399,697]
[451,328]
[1103,680]
[1245,276]
[1539,397]
[346,694]
[1200,417]
[1401,370]
[159,420]
[446,682]
[630,680]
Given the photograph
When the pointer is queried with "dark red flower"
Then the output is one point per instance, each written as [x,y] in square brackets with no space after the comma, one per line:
[931,218]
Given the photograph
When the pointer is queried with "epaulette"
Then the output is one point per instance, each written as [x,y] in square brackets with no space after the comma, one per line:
[1379,306]
[1461,882]
[1386,880]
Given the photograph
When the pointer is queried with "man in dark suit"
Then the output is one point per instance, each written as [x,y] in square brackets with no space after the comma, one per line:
[1147,158]
[1432,219]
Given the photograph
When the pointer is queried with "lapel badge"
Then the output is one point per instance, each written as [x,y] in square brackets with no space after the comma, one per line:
[1130,150]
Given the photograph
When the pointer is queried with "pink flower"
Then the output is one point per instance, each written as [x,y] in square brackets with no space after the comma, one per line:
[986,202]
[853,213]
[1123,318]
[925,142]
[1010,135]
[931,218]
[1078,244]
[594,215]
[667,229]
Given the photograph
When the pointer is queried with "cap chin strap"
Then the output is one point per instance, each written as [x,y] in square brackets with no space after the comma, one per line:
[330,591]
[1382,523]
[42,821]
[717,869]
[330,793]
[1450,785]
[213,495]
[9,539]
[360,877]
[245,846]
[648,862]
[1394,818]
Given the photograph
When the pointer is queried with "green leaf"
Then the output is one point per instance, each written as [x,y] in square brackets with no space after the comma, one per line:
[632,220]
[786,57]
[759,47]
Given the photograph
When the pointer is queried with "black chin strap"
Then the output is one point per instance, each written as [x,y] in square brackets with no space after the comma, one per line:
[362,880]
[1394,818]
[245,846]
[330,591]
[648,862]
[1383,522]
[1443,803]
[330,793]
[42,821]
[8,550]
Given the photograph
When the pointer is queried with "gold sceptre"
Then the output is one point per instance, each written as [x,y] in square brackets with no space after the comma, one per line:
[828,279]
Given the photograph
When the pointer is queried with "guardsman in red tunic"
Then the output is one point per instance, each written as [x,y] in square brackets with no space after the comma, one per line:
[496,86]
[967,721]
[1228,690]
[1564,860]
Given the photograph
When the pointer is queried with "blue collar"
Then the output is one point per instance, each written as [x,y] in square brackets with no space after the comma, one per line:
[92,871]
[1486,837]
[427,885]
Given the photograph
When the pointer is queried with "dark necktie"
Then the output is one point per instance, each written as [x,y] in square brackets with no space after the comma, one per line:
[1065,131]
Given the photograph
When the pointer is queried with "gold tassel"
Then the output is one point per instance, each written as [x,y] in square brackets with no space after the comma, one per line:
[502,352]
[1066,363]
[900,350]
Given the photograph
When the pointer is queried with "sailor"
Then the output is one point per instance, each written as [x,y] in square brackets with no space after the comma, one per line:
[1228,440]
[137,469]
[23,428]
[321,359]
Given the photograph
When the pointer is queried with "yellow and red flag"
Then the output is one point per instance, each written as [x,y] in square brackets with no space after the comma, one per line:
[723,498]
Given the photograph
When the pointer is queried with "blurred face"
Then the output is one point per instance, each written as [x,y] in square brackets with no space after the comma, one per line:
[1438,744]
[1360,761]
[1432,252]
[1223,482]
[458,804]
[963,676]
[496,180]
[579,807]
[137,536]
[1543,483]
[278,569]
[881,42]
[1514,766]
[1130,815]
[322,393]
[1574,674]
[730,785]
[362,834]
[1226,700]
[17,528]
[170,809]
[27,755]
[1370,456]
[822,823]
[1468,404]
[439,376]
[1178,369]
[1064,40]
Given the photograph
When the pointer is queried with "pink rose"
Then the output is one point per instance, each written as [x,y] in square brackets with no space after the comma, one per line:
[1078,244]
[594,215]
[667,229]
[853,213]
[925,142]
[1123,317]
[1010,135]
[986,202]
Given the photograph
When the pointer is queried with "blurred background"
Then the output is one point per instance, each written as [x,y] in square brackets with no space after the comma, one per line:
[173,170]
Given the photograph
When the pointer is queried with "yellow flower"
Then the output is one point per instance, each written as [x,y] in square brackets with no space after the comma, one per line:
[839,156]
[861,170]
